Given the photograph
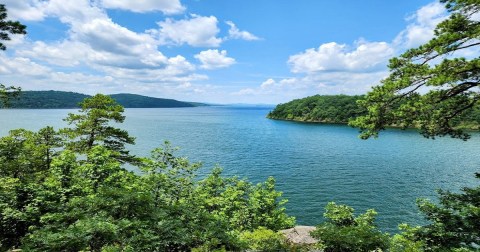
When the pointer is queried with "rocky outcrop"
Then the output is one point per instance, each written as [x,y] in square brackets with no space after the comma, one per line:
[299,235]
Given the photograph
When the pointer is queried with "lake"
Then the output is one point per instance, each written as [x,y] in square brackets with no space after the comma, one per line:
[312,163]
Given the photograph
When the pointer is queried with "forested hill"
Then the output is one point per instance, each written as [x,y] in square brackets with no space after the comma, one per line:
[319,108]
[140,101]
[60,99]
[340,108]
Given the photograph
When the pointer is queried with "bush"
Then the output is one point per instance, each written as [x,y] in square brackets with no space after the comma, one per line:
[344,232]
[262,239]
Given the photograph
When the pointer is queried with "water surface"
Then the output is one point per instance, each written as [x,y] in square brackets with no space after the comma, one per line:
[312,163]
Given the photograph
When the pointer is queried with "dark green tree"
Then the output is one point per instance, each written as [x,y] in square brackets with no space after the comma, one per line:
[93,126]
[428,87]
[24,165]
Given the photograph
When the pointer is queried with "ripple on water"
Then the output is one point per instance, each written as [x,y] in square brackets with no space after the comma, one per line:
[313,164]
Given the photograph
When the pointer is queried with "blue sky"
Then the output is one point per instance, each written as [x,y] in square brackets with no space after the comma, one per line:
[268,51]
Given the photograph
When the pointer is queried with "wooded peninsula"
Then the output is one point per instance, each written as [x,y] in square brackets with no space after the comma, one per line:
[343,108]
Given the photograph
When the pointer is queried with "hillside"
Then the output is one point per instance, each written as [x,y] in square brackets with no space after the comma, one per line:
[60,100]
[140,101]
[341,108]
[319,108]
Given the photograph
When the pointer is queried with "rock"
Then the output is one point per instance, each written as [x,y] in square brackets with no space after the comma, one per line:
[299,235]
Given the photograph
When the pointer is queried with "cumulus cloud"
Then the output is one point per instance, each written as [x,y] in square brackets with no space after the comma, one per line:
[65,53]
[281,90]
[22,66]
[214,59]
[364,56]
[423,22]
[74,13]
[31,10]
[353,69]
[235,33]
[165,6]
[198,31]
[94,43]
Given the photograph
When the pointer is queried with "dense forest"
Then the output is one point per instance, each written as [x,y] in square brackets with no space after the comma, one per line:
[319,108]
[61,100]
[343,108]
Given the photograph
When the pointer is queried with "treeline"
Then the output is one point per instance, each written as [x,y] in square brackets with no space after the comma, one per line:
[319,108]
[64,100]
[343,108]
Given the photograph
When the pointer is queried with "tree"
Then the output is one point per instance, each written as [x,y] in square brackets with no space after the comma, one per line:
[7,93]
[344,232]
[454,222]
[8,27]
[431,89]
[428,87]
[93,127]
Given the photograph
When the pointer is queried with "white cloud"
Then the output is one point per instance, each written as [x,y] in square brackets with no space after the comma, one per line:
[31,10]
[365,56]
[268,83]
[65,53]
[424,21]
[74,13]
[214,59]
[334,68]
[22,66]
[281,90]
[94,43]
[165,6]
[235,33]
[198,31]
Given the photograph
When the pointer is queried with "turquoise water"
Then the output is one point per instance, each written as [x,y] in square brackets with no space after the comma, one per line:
[313,164]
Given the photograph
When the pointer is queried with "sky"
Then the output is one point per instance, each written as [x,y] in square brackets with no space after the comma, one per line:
[216,51]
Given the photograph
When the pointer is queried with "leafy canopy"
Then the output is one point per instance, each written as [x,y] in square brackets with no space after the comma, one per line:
[431,87]
[344,232]
[92,127]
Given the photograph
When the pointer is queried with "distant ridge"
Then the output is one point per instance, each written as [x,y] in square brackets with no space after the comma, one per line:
[64,100]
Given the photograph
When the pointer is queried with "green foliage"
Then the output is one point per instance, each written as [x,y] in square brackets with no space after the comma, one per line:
[92,127]
[430,89]
[8,27]
[344,232]
[454,222]
[427,88]
[319,108]
[140,101]
[60,100]
[7,94]
[47,99]
[406,241]
[262,239]
[243,205]
[75,194]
